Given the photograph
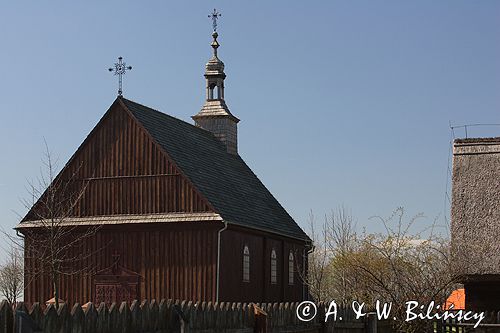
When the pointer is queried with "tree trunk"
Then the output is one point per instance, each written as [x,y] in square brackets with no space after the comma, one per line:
[56,290]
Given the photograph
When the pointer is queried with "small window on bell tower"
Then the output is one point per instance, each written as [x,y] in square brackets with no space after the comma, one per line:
[219,92]
[211,91]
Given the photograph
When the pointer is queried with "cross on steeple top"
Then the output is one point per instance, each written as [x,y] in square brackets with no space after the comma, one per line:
[214,16]
[120,69]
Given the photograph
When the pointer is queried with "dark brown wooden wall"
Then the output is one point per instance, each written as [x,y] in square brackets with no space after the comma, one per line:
[176,260]
[179,261]
[259,289]
[482,295]
[120,170]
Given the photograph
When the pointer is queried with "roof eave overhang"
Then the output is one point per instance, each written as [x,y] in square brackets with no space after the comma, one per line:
[126,219]
[269,231]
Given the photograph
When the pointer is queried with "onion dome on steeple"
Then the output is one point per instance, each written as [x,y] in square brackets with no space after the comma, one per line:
[215,65]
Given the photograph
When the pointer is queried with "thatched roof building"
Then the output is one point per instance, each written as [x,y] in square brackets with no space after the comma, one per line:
[475,216]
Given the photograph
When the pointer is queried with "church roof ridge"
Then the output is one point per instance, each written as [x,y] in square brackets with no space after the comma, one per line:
[126,100]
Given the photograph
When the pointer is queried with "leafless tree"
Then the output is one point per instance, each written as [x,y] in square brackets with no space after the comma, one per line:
[400,266]
[341,243]
[328,277]
[52,243]
[318,262]
[12,276]
[397,265]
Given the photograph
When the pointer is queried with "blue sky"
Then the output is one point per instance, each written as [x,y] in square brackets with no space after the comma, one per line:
[342,102]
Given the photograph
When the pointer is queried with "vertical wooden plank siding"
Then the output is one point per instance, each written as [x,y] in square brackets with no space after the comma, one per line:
[259,288]
[120,170]
[155,255]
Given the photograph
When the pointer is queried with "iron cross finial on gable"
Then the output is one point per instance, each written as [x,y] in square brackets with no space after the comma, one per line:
[120,69]
[214,16]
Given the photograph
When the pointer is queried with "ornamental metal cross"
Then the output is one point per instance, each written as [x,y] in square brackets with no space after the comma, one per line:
[214,16]
[120,69]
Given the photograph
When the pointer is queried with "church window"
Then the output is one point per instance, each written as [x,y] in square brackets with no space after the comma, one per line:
[291,268]
[246,264]
[274,267]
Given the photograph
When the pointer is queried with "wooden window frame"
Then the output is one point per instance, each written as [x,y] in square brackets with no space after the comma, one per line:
[274,267]
[246,264]
[291,269]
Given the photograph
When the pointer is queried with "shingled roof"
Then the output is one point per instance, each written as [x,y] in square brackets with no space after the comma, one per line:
[224,179]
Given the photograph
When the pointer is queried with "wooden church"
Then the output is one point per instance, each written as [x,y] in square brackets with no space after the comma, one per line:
[175,210]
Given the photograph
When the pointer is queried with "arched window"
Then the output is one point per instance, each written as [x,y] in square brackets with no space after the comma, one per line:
[246,264]
[291,268]
[274,267]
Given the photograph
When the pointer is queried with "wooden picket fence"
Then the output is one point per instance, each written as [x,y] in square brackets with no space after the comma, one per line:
[148,316]
[491,324]
[201,317]
[175,316]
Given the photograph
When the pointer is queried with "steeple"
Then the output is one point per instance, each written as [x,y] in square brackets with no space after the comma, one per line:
[215,116]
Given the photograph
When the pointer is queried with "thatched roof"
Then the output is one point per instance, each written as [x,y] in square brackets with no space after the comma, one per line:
[475,213]
[477,140]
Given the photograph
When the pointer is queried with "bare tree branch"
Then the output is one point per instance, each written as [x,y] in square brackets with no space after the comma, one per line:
[51,245]
[395,266]
[11,276]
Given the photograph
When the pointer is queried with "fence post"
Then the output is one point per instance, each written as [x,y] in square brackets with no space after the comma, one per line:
[8,317]
[103,320]
[371,322]
[91,318]
[125,318]
[77,319]
[154,311]
[163,316]
[51,319]
[23,322]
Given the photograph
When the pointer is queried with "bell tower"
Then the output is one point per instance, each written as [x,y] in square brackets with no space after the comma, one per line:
[215,116]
